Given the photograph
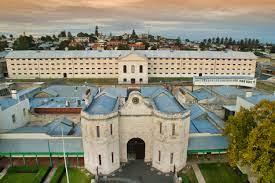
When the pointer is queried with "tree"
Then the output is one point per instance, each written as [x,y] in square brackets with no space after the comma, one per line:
[178,42]
[96,31]
[62,34]
[3,45]
[252,141]
[70,35]
[238,128]
[134,35]
[24,43]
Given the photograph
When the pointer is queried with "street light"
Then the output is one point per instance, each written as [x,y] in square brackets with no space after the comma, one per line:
[67,175]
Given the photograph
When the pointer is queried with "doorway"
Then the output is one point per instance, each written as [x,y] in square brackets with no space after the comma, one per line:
[64,75]
[133,81]
[135,149]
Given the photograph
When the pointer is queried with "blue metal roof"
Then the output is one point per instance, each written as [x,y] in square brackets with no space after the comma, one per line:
[7,102]
[149,91]
[40,145]
[166,103]
[57,102]
[69,91]
[203,126]
[202,94]
[116,92]
[203,121]
[102,104]
[258,98]
[53,128]
[197,143]
[119,53]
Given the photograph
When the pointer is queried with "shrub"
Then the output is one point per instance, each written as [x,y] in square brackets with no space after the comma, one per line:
[41,174]
[58,174]
[23,169]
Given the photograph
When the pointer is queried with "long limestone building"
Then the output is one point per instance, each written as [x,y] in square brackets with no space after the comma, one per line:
[129,66]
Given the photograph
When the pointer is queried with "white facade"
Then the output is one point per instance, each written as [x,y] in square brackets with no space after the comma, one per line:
[225,81]
[110,63]
[14,116]
[165,136]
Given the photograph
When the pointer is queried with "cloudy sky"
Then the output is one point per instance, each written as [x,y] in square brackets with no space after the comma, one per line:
[193,19]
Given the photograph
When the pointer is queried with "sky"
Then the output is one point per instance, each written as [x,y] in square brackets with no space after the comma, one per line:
[192,19]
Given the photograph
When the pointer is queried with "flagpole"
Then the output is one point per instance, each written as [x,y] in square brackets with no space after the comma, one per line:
[67,175]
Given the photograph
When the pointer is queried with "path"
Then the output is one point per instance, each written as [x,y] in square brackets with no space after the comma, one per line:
[50,175]
[198,173]
[4,171]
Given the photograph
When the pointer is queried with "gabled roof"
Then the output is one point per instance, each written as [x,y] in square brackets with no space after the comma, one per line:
[120,53]
[102,104]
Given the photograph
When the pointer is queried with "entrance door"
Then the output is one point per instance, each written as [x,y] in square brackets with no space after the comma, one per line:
[64,75]
[135,149]
[133,81]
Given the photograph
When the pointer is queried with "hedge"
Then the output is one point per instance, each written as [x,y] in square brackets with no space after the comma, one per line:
[41,174]
[23,169]
[58,174]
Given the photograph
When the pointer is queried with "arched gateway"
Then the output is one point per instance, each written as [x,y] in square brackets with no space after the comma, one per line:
[135,149]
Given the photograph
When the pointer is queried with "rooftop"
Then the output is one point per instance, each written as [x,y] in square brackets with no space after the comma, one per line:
[7,102]
[201,143]
[53,128]
[118,53]
[258,98]
[102,104]
[203,121]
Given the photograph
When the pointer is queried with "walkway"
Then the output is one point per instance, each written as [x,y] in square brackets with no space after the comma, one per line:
[198,173]
[138,172]
[50,175]
[3,173]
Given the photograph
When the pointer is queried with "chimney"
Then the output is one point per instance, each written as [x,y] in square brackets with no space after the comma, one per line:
[14,95]
[248,94]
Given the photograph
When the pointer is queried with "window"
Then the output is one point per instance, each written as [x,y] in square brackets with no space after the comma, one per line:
[112,157]
[124,80]
[160,128]
[132,69]
[140,69]
[99,159]
[159,156]
[97,131]
[111,129]
[13,118]
[124,69]
[173,129]
[140,80]
[171,158]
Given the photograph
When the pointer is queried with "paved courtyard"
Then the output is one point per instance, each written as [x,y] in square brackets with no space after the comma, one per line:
[137,172]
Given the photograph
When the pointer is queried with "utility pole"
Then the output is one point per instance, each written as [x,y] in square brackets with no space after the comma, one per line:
[66,168]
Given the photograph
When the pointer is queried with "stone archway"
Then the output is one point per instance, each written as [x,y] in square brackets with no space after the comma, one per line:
[135,149]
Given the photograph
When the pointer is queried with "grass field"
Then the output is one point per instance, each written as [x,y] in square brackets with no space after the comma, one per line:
[189,176]
[265,86]
[77,176]
[221,172]
[163,79]
[18,178]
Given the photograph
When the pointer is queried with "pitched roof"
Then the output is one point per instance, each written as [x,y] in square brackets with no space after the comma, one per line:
[120,53]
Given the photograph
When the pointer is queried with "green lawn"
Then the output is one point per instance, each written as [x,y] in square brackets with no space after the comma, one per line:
[189,176]
[18,177]
[221,172]
[77,176]
[265,86]
[164,79]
